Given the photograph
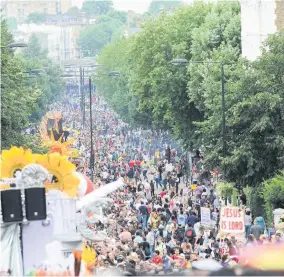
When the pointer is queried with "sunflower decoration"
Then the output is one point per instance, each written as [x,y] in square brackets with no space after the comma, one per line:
[57,146]
[13,160]
[48,122]
[62,171]
[89,254]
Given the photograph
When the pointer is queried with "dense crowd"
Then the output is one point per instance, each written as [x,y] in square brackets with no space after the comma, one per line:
[153,225]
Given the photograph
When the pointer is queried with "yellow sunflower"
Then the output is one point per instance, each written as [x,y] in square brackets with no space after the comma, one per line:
[63,172]
[13,160]
[63,148]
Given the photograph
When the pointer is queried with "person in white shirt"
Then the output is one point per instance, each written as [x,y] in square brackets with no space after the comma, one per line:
[216,203]
[138,239]
[150,238]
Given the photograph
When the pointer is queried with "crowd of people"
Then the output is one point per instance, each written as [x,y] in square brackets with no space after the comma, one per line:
[153,224]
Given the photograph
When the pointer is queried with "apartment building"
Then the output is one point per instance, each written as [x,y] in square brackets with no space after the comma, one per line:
[20,9]
[60,41]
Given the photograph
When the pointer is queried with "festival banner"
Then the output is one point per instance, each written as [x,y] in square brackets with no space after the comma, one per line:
[232,220]
[205,216]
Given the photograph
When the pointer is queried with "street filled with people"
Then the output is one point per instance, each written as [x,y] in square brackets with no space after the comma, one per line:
[154,224]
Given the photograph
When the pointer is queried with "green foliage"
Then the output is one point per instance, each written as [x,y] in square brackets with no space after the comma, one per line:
[17,100]
[235,197]
[160,86]
[225,189]
[96,7]
[36,18]
[48,80]
[32,142]
[114,57]
[73,11]
[255,117]
[118,15]
[108,28]
[22,98]
[33,50]
[157,6]
[12,23]
[187,99]
[273,194]
[256,201]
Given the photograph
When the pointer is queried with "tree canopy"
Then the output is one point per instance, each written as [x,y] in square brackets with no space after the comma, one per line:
[186,99]
[156,6]
[25,99]
[96,7]
[109,27]
[36,18]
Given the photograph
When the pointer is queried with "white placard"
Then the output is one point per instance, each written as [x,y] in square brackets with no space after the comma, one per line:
[205,216]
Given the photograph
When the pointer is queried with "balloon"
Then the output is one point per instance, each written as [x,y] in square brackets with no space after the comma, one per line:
[86,185]
[83,184]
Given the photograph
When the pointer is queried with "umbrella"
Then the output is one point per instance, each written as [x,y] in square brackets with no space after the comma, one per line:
[264,257]
[207,264]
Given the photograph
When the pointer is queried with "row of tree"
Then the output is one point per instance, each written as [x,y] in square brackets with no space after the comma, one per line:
[186,99]
[29,84]
[111,24]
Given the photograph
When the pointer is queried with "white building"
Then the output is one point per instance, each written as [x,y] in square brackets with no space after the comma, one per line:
[259,18]
[60,41]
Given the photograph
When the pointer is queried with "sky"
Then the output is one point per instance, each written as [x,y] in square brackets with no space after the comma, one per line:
[139,6]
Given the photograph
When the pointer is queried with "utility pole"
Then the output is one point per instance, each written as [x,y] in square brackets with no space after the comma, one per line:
[223,117]
[80,88]
[84,97]
[92,157]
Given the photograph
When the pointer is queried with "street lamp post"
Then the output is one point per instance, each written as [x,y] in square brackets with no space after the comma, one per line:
[15,45]
[92,154]
[184,62]
[92,158]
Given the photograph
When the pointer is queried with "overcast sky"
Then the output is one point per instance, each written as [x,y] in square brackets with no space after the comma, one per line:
[139,6]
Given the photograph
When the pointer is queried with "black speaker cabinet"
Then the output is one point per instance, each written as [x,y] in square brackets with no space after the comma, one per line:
[35,203]
[11,205]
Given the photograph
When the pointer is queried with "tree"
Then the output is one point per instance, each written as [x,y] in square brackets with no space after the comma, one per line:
[48,80]
[34,51]
[217,39]
[159,85]
[96,7]
[255,118]
[114,57]
[36,18]
[118,15]
[187,99]
[158,6]
[95,37]
[17,100]
[273,194]
[74,11]
[11,23]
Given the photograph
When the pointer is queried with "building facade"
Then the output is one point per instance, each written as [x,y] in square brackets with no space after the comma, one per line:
[259,18]
[20,9]
[59,41]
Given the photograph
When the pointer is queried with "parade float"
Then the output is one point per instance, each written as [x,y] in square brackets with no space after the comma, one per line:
[69,195]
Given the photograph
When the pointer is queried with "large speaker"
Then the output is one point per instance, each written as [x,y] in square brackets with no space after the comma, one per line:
[11,205]
[35,203]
